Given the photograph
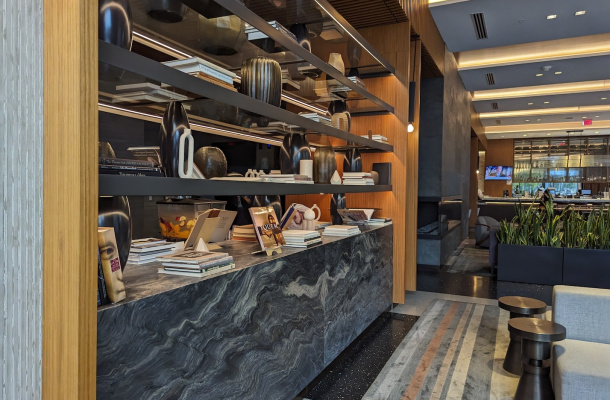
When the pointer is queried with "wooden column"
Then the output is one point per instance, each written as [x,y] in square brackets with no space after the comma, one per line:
[70,199]
[499,152]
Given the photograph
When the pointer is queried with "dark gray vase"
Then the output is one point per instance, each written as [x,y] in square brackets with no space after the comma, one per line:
[273,201]
[168,11]
[114,212]
[115,26]
[211,161]
[295,148]
[302,34]
[337,202]
[324,164]
[261,79]
[175,121]
[352,161]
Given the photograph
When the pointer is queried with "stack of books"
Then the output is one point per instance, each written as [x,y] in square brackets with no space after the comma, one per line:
[377,138]
[343,88]
[379,221]
[322,224]
[123,166]
[341,230]
[205,70]
[255,34]
[287,178]
[303,239]
[144,251]
[317,118]
[358,178]
[146,91]
[288,83]
[196,263]
[244,233]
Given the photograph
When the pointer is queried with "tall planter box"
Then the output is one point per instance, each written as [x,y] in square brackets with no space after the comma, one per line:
[586,267]
[530,264]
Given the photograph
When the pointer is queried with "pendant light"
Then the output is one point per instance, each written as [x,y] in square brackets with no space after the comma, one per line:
[412,86]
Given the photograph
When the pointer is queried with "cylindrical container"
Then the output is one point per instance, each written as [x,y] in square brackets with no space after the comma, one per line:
[306,168]
[115,26]
[324,164]
[175,121]
[168,11]
[261,78]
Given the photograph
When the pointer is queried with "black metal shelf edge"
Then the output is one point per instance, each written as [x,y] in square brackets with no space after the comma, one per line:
[116,185]
[125,59]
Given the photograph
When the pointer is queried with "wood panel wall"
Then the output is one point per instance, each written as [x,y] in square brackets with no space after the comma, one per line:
[499,152]
[21,152]
[70,199]
[423,24]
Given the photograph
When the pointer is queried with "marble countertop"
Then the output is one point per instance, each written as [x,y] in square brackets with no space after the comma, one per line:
[529,199]
[143,281]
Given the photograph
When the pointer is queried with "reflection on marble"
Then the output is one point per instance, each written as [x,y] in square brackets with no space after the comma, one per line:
[261,332]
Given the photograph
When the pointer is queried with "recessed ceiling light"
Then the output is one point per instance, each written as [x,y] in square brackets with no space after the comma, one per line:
[597,116]
[552,16]
[530,104]
[558,73]
[546,102]
[539,74]
[539,119]
[604,98]
[596,131]
[583,12]
[527,120]
[502,136]
[548,134]
[584,117]
[524,135]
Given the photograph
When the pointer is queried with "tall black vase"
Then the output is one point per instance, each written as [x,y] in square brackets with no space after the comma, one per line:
[114,212]
[337,202]
[352,161]
[175,121]
[295,148]
[261,79]
[115,26]
[324,164]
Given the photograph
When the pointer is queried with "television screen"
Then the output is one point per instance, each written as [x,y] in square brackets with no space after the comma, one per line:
[498,173]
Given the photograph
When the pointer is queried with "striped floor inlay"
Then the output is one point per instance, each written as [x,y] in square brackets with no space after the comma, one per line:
[454,351]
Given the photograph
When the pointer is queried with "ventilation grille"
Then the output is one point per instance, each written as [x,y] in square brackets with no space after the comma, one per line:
[480,30]
[490,79]
[494,106]
[498,122]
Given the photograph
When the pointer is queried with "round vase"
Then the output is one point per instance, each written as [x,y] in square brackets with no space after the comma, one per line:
[324,164]
[352,161]
[338,201]
[336,61]
[115,26]
[114,212]
[222,36]
[168,11]
[295,148]
[211,161]
[261,78]
[175,121]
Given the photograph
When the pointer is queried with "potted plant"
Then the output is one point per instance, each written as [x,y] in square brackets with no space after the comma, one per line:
[586,259]
[529,248]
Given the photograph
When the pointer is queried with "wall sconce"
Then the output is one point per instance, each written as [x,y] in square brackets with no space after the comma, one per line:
[411,128]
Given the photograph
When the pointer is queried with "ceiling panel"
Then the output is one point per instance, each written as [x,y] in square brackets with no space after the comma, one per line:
[543,119]
[572,70]
[519,21]
[529,135]
[555,101]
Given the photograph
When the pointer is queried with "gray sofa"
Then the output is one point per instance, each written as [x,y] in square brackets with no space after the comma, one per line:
[581,363]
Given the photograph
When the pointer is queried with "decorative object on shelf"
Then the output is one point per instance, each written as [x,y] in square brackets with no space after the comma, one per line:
[384,171]
[175,122]
[354,52]
[115,26]
[168,11]
[222,36]
[302,34]
[188,164]
[337,62]
[375,176]
[324,164]
[352,161]
[340,115]
[310,218]
[269,201]
[211,161]
[105,150]
[261,78]
[337,202]
[335,179]
[114,212]
[267,228]
[295,148]
[306,168]
[112,268]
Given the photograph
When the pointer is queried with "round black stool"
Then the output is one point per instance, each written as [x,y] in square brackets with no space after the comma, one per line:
[518,307]
[536,338]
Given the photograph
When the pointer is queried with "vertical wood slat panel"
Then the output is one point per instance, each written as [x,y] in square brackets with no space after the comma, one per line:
[70,199]
[21,150]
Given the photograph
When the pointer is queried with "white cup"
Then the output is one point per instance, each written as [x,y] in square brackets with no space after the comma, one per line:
[306,168]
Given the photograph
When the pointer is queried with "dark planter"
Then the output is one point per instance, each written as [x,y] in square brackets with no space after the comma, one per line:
[115,26]
[261,79]
[324,164]
[211,161]
[175,121]
[586,267]
[114,212]
[295,148]
[530,264]
[337,202]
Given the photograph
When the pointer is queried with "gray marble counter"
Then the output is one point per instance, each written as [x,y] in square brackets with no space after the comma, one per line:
[261,331]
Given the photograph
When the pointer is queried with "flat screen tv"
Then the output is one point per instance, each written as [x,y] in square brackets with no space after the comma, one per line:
[498,173]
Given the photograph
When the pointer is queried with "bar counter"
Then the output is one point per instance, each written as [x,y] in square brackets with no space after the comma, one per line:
[261,331]
[529,200]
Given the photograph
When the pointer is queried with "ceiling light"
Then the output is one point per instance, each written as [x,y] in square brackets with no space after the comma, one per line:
[584,117]
[546,102]
[558,73]
[541,90]
[604,98]
[552,16]
[527,120]
[539,119]
[583,12]
[597,116]
[596,131]
[530,104]
[539,74]
[524,135]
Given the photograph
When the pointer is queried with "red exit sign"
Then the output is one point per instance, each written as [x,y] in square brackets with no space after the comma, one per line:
[587,122]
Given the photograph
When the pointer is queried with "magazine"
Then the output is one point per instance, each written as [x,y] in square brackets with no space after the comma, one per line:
[267,228]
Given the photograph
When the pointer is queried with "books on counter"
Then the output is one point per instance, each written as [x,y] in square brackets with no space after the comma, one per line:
[377,138]
[301,238]
[147,250]
[196,263]
[379,221]
[244,233]
[341,230]
[358,178]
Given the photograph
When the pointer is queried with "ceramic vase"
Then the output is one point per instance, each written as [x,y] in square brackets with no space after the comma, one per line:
[337,202]
[336,61]
[261,78]
[115,26]
[302,34]
[354,53]
[211,161]
[114,212]
[340,115]
[352,161]
[324,164]
[167,11]
[222,36]
[295,148]
[175,121]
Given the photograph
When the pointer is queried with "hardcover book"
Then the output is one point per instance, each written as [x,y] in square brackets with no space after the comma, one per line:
[111,266]
[101,284]
[267,228]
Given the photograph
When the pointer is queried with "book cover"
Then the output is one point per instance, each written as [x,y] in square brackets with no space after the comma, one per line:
[267,228]
[101,284]
[294,217]
[146,242]
[111,266]
[225,220]
[147,153]
[126,162]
